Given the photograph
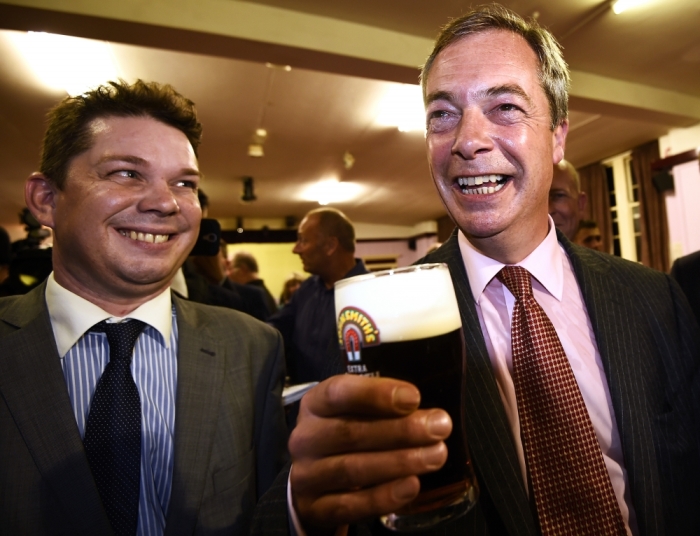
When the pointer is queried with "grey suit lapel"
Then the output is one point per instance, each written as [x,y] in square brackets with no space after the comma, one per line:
[33,386]
[200,376]
[614,323]
[488,430]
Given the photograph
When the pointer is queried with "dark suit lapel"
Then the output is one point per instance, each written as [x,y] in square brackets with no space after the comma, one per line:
[34,388]
[608,301]
[488,431]
[200,376]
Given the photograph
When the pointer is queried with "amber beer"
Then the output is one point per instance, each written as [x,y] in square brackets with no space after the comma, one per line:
[405,324]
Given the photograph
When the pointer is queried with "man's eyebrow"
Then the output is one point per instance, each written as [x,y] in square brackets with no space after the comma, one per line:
[439,95]
[508,89]
[496,91]
[122,158]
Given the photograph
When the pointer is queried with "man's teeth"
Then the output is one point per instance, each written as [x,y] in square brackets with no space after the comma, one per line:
[491,183]
[146,237]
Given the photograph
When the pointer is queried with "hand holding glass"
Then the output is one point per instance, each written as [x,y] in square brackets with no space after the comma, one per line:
[405,324]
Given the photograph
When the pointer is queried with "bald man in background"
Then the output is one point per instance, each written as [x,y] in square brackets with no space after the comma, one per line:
[566,200]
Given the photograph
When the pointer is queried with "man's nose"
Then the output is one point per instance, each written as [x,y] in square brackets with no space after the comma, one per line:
[473,135]
[159,197]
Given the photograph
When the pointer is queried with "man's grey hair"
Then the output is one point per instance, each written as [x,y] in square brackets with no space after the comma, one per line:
[553,71]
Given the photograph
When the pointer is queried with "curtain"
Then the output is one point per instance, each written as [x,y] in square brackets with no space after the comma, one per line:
[594,182]
[652,209]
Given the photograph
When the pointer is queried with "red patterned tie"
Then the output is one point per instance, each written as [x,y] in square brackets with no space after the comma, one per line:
[570,483]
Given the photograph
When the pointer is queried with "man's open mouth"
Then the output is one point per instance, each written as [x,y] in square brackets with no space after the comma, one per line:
[145,237]
[484,184]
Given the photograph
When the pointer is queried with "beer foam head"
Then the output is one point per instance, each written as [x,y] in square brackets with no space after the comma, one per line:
[404,304]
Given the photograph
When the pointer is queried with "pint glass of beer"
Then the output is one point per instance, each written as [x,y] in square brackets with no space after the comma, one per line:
[405,324]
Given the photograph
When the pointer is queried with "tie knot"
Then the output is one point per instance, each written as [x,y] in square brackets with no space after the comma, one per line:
[121,337]
[517,280]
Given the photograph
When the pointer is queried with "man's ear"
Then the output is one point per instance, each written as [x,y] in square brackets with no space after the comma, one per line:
[582,199]
[559,141]
[331,245]
[40,195]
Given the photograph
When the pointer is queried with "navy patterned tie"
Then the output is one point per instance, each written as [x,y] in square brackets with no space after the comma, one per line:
[572,489]
[113,430]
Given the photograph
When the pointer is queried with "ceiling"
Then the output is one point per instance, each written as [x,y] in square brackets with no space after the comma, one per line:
[635,76]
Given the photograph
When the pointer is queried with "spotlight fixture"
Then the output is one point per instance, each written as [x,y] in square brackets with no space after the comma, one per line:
[348,160]
[248,193]
[256,150]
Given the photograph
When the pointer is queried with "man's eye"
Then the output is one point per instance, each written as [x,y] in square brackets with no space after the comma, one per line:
[128,173]
[440,120]
[192,185]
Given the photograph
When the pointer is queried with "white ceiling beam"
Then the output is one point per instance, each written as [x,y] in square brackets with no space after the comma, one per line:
[275,26]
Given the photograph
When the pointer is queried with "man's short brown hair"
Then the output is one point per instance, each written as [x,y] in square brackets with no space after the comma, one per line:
[553,71]
[243,259]
[68,135]
[333,222]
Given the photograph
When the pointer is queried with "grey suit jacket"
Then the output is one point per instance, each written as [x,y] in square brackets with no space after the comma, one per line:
[230,433]
[650,348]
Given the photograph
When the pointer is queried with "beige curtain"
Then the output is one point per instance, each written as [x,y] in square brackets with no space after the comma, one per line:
[652,209]
[594,182]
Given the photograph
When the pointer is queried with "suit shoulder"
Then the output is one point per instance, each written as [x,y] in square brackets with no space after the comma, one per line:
[687,265]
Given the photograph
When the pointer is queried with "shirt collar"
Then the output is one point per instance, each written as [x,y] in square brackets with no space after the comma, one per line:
[545,264]
[71,316]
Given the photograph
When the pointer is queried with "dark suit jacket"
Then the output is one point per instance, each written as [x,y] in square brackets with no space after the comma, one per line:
[229,425]
[648,341]
[686,271]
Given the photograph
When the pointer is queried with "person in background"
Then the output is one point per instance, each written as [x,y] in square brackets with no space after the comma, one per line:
[5,255]
[686,271]
[566,200]
[203,279]
[588,235]
[125,409]
[244,271]
[290,286]
[326,246]
[554,333]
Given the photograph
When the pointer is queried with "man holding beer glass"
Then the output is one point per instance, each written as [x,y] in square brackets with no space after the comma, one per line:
[495,90]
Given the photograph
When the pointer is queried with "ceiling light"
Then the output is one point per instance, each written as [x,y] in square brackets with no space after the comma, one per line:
[623,5]
[69,63]
[402,107]
[332,191]
[348,160]
[256,150]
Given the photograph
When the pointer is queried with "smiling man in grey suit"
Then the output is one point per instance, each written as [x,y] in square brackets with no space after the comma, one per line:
[495,91]
[118,186]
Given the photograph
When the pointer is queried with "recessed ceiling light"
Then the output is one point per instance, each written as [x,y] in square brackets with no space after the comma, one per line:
[623,5]
[69,63]
[402,107]
[330,191]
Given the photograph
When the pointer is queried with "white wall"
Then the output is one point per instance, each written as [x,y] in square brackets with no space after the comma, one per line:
[682,204]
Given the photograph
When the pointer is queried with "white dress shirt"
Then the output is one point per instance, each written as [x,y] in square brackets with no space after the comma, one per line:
[85,354]
[555,288]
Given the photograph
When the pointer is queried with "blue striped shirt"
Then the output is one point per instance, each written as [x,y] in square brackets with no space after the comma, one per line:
[154,367]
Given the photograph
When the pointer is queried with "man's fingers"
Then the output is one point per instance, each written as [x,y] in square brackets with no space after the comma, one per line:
[317,437]
[343,508]
[360,395]
[363,470]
